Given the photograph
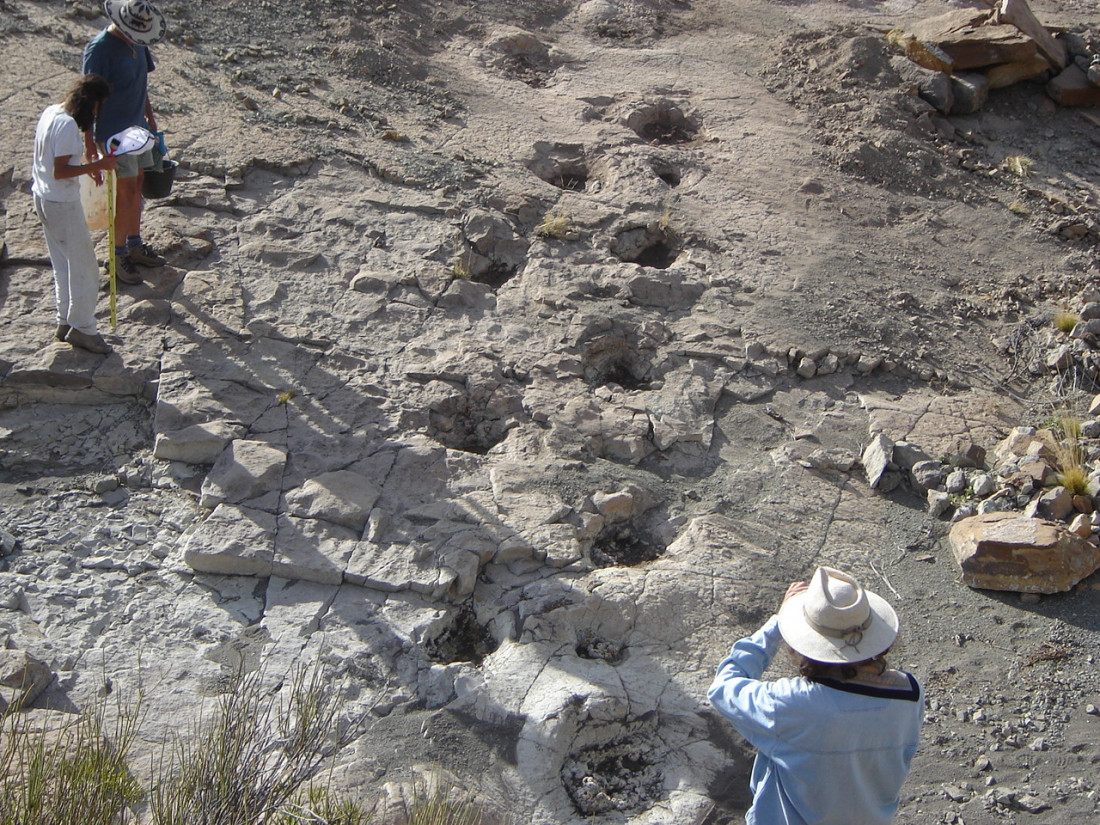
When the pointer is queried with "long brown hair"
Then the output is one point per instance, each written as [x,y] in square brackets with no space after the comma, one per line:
[83,97]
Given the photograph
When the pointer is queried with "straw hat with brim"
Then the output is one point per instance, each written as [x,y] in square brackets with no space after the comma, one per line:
[836,621]
[139,20]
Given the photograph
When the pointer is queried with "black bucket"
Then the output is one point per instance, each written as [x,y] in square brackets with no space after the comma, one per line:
[158,183]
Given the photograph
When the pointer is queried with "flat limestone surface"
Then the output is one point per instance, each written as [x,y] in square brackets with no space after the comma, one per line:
[513,358]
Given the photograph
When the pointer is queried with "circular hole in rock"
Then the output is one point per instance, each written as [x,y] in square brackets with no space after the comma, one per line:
[462,640]
[619,775]
[563,165]
[624,545]
[663,123]
[648,246]
[622,371]
[592,646]
[495,275]
[455,425]
[668,173]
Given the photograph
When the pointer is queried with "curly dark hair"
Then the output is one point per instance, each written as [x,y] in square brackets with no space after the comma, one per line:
[82,98]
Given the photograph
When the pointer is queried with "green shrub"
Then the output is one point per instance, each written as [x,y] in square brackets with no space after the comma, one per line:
[74,773]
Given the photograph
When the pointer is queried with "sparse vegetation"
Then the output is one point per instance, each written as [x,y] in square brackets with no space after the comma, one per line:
[1018,207]
[1019,165]
[1070,456]
[254,761]
[666,225]
[1065,321]
[555,226]
[74,771]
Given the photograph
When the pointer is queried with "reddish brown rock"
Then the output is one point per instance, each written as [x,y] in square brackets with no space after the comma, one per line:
[964,39]
[1005,551]
[1072,88]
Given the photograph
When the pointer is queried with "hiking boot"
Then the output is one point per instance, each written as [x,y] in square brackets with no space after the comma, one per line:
[126,271]
[145,255]
[62,331]
[91,343]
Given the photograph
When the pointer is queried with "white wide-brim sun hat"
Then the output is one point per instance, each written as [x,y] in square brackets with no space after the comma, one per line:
[835,621]
[139,20]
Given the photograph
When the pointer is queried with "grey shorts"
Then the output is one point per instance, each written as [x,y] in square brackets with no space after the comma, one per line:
[130,165]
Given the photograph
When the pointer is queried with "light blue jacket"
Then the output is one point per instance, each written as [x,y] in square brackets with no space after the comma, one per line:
[825,755]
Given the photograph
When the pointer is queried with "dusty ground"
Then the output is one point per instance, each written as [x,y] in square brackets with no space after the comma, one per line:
[845,225]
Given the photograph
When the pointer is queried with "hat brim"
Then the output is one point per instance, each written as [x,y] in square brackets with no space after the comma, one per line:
[156,31]
[803,639]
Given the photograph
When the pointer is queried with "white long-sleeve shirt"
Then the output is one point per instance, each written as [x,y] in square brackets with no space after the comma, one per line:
[829,752]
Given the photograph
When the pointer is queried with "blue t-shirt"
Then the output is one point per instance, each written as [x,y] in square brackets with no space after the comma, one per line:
[126,67]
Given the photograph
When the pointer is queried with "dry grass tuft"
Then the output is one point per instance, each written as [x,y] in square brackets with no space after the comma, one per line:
[555,226]
[1065,321]
[1019,165]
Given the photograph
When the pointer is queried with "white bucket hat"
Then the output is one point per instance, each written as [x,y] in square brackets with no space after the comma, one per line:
[139,20]
[836,621]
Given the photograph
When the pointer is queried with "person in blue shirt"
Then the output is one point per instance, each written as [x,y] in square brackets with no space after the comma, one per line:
[120,54]
[834,744]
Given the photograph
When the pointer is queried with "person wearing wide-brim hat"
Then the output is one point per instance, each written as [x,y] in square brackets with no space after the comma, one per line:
[120,53]
[834,744]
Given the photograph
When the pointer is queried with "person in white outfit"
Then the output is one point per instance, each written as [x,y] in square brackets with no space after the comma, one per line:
[55,169]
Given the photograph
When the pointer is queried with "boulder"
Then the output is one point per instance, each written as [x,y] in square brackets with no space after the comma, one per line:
[1072,88]
[1005,551]
[878,459]
[1009,73]
[967,40]
[970,90]
[25,675]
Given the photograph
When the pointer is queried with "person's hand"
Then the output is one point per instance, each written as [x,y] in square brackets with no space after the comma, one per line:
[796,587]
[91,154]
[108,163]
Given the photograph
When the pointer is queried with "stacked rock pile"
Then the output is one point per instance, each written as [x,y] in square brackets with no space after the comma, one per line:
[958,57]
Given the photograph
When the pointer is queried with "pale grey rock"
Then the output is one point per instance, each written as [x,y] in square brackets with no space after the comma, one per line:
[342,497]
[877,459]
[233,540]
[955,482]
[245,470]
[617,506]
[1059,359]
[927,474]
[938,503]
[868,364]
[1056,503]
[26,676]
[307,549]
[996,504]
[197,444]
[982,484]
[806,368]
[907,455]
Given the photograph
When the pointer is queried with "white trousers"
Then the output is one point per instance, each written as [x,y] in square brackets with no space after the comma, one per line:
[75,268]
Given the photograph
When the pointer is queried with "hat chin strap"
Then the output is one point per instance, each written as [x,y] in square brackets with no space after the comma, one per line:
[852,636]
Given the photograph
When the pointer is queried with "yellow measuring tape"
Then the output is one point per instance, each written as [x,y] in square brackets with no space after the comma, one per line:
[111,257]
